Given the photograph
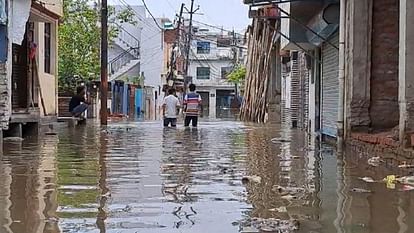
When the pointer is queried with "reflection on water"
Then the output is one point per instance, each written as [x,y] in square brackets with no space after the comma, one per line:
[139,177]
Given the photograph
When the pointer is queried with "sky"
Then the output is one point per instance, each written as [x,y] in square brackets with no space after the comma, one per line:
[228,14]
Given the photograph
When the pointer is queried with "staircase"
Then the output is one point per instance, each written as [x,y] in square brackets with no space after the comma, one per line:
[128,59]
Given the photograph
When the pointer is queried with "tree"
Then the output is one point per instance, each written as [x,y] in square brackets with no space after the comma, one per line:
[238,75]
[79,40]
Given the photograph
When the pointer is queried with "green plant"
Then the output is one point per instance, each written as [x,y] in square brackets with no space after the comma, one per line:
[238,75]
[80,39]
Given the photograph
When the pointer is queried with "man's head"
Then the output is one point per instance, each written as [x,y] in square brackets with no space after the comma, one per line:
[80,90]
[171,91]
[192,87]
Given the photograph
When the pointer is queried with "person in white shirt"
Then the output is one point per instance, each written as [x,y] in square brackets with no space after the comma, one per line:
[170,107]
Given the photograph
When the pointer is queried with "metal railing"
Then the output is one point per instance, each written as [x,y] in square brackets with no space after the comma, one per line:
[129,40]
[121,60]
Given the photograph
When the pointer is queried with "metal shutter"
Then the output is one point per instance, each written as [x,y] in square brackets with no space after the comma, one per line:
[330,90]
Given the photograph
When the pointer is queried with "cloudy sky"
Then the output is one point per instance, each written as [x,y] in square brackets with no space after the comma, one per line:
[226,13]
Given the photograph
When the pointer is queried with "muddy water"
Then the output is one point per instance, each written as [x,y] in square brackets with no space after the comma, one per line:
[138,177]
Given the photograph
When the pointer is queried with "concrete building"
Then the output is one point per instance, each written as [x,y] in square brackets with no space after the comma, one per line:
[358,66]
[28,64]
[137,54]
[212,58]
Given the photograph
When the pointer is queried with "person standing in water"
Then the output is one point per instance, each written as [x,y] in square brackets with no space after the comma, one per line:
[170,108]
[192,107]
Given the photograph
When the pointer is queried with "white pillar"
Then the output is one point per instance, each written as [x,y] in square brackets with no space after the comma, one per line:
[406,71]
[213,103]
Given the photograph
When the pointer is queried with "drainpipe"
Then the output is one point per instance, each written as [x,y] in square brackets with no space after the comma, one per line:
[341,108]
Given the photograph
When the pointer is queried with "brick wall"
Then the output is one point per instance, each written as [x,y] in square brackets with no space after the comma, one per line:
[384,109]
[4,98]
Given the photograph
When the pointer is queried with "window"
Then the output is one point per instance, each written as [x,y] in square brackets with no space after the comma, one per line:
[48,47]
[203,72]
[225,71]
[203,47]
[224,42]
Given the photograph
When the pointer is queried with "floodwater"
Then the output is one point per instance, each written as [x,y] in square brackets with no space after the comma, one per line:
[139,177]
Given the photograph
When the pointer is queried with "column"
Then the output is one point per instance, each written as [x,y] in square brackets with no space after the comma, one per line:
[358,67]
[406,72]
[275,86]
[213,101]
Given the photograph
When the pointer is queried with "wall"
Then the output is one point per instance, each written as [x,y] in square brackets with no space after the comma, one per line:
[55,6]
[384,79]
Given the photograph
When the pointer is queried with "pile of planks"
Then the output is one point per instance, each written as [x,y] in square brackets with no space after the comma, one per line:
[261,41]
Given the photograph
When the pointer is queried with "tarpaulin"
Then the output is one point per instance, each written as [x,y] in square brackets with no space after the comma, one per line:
[21,12]
[3,14]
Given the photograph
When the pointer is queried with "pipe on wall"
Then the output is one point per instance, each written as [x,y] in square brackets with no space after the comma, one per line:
[341,76]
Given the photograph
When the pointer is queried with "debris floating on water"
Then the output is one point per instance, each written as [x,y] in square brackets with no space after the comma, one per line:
[269,225]
[405,165]
[254,179]
[280,140]
[368,179]
[360,190]
[375,161]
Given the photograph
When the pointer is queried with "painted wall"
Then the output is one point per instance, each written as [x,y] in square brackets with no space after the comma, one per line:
[55,6]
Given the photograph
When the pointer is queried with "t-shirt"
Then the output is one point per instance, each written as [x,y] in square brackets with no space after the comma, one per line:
[76,101]
[193,102]
[171,103]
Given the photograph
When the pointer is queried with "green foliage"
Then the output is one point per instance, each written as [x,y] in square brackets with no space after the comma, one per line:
[238,75]
[79,40]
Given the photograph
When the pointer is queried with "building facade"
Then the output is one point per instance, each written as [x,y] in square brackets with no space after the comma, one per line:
[29,64]
[212,58]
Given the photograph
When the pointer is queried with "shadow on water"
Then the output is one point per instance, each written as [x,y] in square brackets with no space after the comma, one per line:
[139,177]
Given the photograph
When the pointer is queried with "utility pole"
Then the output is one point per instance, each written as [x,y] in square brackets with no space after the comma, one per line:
[177,40]
[190,34]
[104,62]
[235,61]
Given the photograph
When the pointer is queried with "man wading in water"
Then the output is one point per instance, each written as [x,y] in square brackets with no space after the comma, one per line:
[192,107]
[170,108]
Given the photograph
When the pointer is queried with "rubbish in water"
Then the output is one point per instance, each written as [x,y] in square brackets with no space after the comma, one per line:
[408,180]
[368,179]
[50,133]
[281,209]
[280,140]
[360,190]
[405,165]
[375,161]
[390,181]
[13,139]
[269,225]
[407,188]
[287,190]
[289,197]
[254,179]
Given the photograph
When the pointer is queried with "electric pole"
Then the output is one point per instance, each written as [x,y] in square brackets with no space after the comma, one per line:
[177,40]
[104,62]
[190,34]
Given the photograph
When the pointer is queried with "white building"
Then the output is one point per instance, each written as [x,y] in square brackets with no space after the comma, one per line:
[138,52]
[212,58]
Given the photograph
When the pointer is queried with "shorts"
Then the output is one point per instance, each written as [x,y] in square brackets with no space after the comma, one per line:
[172,121]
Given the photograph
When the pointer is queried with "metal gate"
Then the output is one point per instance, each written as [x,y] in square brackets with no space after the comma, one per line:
[330,87]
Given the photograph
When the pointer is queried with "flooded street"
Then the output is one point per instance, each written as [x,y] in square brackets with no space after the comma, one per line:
[219,178]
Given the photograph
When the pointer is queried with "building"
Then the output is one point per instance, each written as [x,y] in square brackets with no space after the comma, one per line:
[213,56]
[29,66]
[359,68]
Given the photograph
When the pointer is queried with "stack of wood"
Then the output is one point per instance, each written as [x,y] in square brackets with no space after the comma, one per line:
[261,38]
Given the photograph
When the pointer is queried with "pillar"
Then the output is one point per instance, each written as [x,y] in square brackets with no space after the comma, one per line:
[275,86]
[406,72]
[213,103]
[358,65]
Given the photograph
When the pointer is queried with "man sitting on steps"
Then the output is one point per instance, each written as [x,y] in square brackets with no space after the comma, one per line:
[78,104]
